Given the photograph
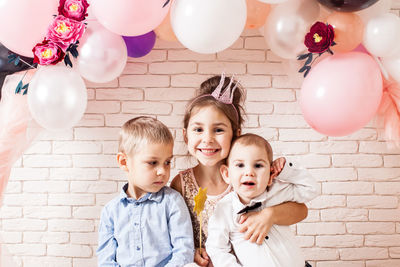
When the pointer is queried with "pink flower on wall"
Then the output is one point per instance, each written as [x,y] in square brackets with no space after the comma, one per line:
[47,53]
[64,31]
[73,9]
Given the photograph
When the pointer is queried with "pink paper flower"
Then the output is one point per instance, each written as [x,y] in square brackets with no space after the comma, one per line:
[73,9]
[64,31]
[47,53]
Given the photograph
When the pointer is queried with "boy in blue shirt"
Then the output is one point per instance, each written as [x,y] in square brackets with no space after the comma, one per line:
[148,224]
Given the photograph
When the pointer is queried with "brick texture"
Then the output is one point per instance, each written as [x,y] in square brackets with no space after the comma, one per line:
[51,208]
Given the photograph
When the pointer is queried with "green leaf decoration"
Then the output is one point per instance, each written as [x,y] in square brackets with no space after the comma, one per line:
[303,68]
[19,87]
[301,57]
[25,86]
[25,92]
[166,3]
[309,59]
[11,58]
[74,51]
[16,62]
[307,71]
[67,61]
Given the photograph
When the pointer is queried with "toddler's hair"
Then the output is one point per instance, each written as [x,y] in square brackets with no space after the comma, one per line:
[206,88]
[253,139]
[141,131]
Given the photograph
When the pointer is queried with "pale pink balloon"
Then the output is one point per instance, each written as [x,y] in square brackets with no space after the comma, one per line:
[342,93]
[102,54]
[360,48]
[130,17]
[24,23]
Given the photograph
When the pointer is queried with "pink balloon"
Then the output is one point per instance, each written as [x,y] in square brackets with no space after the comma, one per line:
[360,48]
[24,23]
[342,93]
[130,17]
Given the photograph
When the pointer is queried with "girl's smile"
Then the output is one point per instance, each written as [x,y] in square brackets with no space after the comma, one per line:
[209,135]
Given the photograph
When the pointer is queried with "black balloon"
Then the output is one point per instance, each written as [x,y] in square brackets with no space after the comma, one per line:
[347,5]
[10,68]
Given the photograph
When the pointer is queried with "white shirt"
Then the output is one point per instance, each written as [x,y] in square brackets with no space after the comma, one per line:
[280,250]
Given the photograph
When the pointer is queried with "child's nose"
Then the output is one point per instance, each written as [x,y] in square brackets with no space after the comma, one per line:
[208,137]
[249,171]
[161,171]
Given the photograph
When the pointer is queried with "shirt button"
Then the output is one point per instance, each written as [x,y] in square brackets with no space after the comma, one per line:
[290,164]
[136,224]
[137,248]
[137,203]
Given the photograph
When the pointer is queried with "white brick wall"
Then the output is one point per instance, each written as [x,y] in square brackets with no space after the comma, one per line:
[52,205]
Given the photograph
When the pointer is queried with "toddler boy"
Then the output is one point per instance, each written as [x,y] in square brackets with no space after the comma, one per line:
[148,224]
[249,170]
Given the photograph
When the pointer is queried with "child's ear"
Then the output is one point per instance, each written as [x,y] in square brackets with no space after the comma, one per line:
[225,173]
[273,174]
[184,132]
[238,132]
[122,161]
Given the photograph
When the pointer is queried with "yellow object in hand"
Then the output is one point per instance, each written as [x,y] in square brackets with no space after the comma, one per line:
[199,200]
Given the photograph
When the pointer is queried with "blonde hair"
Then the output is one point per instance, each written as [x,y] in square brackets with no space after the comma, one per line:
[253,139]
[140,131]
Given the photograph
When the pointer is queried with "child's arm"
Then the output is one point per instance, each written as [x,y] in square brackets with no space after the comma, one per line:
[256,225]
[218,245]
[181,232]
[106,251]
[292,184]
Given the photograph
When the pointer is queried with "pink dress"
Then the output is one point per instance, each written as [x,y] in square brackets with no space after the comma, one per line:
[189,190]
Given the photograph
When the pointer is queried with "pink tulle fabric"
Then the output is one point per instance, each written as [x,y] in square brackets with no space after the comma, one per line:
[389,109]
[17,129]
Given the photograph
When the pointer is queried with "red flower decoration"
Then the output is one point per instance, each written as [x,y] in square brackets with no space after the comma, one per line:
[320,37]
[73,9]
[318,40]
[47,53]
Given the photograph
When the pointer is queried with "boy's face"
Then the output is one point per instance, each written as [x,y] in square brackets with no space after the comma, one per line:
[148,169]
[248,172]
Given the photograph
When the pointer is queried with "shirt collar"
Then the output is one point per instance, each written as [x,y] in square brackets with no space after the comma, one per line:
[157,196]
[238,205]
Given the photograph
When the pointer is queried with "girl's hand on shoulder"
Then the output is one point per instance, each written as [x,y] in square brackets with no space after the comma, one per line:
[256,225]
[201,257]
[277,166]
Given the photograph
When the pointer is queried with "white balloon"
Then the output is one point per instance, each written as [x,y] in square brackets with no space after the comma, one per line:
[287,25]
[392,66]
[102,54]
[382,35]
[379,8]
[57,97]
[208,26]
[273,1]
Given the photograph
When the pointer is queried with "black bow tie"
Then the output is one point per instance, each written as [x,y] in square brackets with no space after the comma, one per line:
[249,208]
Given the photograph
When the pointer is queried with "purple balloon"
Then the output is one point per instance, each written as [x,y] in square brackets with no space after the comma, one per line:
[141,45]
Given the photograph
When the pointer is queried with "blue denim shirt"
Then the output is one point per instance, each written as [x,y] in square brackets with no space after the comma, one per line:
[153,231]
